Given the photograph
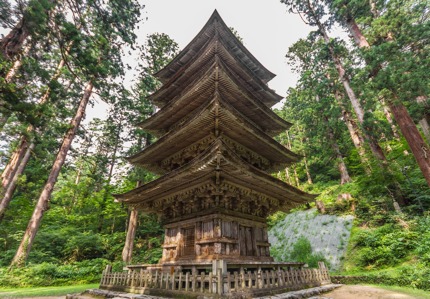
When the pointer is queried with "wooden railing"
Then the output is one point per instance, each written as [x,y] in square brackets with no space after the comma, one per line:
[215,283]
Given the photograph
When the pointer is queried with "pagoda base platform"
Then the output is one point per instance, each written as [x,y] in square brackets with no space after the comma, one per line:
[217,279]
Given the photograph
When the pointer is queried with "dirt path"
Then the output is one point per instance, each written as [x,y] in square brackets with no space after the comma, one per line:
[364,292]
[344,292]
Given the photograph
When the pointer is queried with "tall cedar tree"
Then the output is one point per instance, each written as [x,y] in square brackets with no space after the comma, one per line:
[158,51]
[400,34]
[109,26]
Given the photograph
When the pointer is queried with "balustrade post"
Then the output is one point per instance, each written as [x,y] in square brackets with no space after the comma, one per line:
[279,277]
[202,281]
[180,281]
[212,289]
[228,282]
[272,278]
[194,281]
[156,279]
[173,281]
[242,278]
[259,279]
[236,281]
[220,282]
[187,281]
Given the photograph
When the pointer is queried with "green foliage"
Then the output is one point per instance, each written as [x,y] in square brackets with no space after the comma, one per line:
[395,253]
[49,274]
[45,291]
[383,246]
[302,252]
[84,246]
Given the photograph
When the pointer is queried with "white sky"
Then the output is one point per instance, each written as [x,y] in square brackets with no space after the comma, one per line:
[264,25]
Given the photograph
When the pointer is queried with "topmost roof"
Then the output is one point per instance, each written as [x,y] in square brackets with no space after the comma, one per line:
[215,25]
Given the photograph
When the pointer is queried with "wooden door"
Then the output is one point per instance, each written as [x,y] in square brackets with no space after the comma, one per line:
[246,241]
[189,240]
[242,240]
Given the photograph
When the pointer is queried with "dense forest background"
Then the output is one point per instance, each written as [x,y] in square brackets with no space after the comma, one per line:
[360,112]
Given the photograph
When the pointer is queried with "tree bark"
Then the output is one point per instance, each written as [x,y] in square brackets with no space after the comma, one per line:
[308,174]
[343,170]
[11,44]
[17,64]
[374,9]
[43,201]
[14,162]
[355,31]
[305,161]
[296,177]
[424,122]
[353,128]
[127,252]
[10,189]
[425,128]
[387,114]
[287,176]
[416,143]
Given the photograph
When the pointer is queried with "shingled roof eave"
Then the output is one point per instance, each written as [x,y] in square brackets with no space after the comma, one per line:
[161,97]
[265,76]
[150,124]
[144,155]
[210,155]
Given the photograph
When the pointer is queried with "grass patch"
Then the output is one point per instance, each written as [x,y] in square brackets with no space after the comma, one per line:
[44,291]
[419,294]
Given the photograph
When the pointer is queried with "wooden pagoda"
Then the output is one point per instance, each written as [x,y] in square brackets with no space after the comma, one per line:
[214,154]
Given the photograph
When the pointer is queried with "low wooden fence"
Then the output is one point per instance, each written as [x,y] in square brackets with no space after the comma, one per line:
[215,283]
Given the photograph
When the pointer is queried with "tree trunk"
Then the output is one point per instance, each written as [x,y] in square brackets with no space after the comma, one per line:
[416,143]
[109,178]
[8,79]
[10,189]
[296,177]
[305,160]
[127,252]
[387,114]
[374,9]
[17,64]
[11,44]
[43,201]
[308,174]
[358,109]
[15,160]
[287,176]
[353,129]
[424,122]
[409,130]
[343,170]
[355,31]
[425,128]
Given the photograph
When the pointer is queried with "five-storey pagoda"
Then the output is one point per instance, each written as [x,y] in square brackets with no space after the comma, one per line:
[214,154]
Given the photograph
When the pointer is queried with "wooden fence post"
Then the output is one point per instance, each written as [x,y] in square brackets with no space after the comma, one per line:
[180,281]
[187,281]
[220,281]
[202,282]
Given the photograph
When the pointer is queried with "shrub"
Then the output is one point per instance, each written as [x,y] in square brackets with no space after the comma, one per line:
[302,252]
[84,246]
[49,274]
